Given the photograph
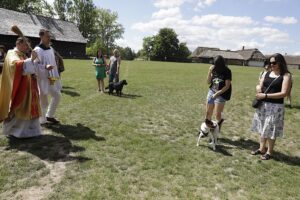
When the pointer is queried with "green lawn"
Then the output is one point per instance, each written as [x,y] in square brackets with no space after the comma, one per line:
[143,145]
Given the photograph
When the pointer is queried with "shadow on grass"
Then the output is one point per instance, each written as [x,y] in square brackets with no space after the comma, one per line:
[48,147]
[251,145]
[70,93]
[219,149]
[293,107]
[67,87]
[75,132]
[130,96]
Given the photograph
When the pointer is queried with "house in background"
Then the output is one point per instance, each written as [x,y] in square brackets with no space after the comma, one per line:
[293,62]
[67,39]
[244,57]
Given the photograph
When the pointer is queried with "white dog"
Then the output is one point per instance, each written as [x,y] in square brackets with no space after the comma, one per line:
[204,131]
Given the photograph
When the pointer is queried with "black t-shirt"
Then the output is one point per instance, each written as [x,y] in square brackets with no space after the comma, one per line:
[275,87]
[218,82]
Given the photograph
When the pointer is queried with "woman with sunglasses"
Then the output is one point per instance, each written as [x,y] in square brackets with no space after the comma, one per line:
[268,119]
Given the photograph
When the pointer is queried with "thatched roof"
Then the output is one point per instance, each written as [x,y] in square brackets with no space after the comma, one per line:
[245,54]
[292,60]
[251,54]
[31,24]
[199,50]
[233,55]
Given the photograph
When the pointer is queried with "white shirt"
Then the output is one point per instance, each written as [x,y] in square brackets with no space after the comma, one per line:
[46,57]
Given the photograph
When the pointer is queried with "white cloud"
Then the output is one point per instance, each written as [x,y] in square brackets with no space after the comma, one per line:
[296,53]
[217,20]
[166,13]
[203,3]
[281,20]
[168,3]
[215,30]
[178,3]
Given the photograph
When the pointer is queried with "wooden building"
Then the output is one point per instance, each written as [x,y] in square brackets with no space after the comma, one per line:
[67,39]
[244,57]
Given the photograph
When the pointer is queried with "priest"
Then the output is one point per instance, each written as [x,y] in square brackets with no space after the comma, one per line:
[19,95]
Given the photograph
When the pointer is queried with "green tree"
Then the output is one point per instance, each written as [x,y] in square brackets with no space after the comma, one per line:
[83,13]
[127,53]
[148,44]
[62,8]
[166,45]
[183,53]
[108,29]
[37,7]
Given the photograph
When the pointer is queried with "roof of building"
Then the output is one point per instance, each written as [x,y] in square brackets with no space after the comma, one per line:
[249,54]
[292,60]
[245,54]
[225,54]
[31,24]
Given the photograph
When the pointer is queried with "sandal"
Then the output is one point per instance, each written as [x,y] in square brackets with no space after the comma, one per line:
[266,157]
[256,152]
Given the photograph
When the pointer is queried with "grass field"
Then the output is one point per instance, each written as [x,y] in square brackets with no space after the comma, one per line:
[143,145]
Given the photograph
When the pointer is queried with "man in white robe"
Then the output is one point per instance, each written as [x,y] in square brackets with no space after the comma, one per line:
[48,80]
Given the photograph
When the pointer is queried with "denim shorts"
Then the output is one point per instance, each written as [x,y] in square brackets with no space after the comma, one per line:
[218,100]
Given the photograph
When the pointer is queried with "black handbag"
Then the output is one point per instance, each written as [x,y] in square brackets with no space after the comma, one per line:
[257,103]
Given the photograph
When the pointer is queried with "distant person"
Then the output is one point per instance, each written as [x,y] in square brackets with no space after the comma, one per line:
[48,80]
[114,66]
[267,68]
[219,78]
[100,65]
[2,57]
[268,119]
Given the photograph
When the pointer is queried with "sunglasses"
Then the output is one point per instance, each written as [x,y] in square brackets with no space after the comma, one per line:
[273,63]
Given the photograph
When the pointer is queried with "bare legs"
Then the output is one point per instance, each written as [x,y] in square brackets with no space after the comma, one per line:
[210,109]
[100,85]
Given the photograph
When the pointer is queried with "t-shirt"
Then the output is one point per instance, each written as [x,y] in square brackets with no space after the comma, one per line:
[113,65]
[218,82]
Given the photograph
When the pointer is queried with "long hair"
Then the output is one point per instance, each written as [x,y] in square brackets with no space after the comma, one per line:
[279,59]
[97,55]
[219,64]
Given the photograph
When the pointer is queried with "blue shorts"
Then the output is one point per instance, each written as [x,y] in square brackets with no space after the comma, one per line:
[218,100]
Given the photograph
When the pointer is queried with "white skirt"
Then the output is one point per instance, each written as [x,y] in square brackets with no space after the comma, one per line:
[268,120]
[22,128]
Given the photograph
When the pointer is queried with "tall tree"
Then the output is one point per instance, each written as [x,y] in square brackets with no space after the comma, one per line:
[148,44]
[166,44]
[38,7]
[83,13]
[108,28]
[61,8]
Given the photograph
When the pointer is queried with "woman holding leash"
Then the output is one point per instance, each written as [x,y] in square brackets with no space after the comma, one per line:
[100,64]
[268,119]
[219,78]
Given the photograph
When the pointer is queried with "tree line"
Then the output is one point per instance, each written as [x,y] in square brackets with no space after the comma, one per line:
[101,29]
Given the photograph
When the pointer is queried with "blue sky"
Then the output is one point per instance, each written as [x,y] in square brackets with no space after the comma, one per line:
[269,25]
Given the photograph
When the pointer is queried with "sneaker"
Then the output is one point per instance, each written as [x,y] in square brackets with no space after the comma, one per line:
[209,123]
[52,120]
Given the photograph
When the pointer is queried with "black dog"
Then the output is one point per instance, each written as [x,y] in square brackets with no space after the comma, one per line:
[117,86]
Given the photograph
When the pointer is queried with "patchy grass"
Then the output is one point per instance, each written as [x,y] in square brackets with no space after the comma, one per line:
[143,145]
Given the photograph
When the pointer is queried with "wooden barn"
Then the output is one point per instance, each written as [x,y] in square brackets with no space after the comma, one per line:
[292,61]
[244,57]
[67,39]
[252,57]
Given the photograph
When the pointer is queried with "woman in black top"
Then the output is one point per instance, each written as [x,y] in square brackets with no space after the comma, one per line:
[268,119]
[219,79]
